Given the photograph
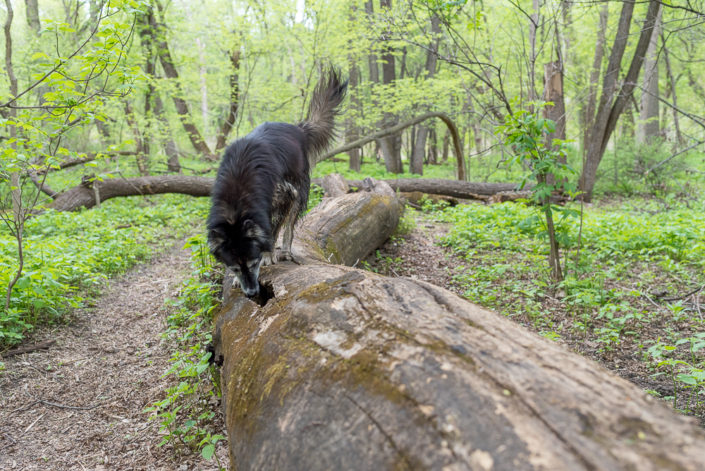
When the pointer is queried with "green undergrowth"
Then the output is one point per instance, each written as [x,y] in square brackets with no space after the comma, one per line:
[625,287]
[69,256]
[187,412]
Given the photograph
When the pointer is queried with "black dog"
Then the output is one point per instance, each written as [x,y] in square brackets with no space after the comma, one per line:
[263,184]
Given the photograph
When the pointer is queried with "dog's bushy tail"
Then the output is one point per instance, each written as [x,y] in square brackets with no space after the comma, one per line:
[320,122]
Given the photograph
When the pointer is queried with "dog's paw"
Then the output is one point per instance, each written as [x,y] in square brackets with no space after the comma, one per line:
[269,258]
[235,280]
[288,257]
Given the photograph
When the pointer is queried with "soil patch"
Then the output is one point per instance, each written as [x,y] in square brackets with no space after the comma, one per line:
[80,403]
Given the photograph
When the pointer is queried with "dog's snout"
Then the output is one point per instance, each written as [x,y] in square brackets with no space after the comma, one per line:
[251,292]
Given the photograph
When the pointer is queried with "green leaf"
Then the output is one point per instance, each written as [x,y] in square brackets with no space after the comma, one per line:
[208,451]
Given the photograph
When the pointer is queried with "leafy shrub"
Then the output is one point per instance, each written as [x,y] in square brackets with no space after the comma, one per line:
[70,255]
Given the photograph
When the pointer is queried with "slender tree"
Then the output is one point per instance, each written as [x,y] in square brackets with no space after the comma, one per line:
[615,95]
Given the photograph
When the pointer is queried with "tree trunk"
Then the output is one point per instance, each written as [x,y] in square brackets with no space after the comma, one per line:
[446,144]
[589,111]
[649,128]
[613,98]
[341,368]
[679,141]
[372,58]
[141,156]
[419,151]
[229,121]
[181,106]
[352,131]
[553,92]
[32,13]
[390,144]
[202,72]
[534,21]
[417,156]
[170,149]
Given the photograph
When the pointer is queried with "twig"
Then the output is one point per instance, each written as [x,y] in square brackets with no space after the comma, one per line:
[61,406]
[33,423]
[676,298]
[29,348]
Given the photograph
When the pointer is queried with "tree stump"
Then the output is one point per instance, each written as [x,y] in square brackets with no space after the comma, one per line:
[342,368]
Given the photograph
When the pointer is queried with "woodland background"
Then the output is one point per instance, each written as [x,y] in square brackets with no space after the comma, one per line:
[95,95]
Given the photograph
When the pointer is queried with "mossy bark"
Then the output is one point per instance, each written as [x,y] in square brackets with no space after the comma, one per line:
[346,369]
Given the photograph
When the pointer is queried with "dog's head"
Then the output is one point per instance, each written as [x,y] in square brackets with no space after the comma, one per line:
[240,244]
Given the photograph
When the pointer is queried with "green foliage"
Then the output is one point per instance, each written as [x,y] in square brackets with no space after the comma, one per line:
[70,255]
[626,252]
[186,413]
[687,376]
[526,132]
[631,169]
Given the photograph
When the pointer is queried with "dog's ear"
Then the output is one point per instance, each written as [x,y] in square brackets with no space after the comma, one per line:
[253,230]
[227,213]
[216,237]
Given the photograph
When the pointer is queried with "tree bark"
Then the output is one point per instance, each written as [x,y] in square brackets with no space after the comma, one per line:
[341,368]
[460,169]
[553,92]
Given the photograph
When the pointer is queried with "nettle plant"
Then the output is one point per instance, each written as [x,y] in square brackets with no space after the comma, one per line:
[526,133]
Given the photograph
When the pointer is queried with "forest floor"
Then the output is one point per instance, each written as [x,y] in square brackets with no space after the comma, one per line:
[418,255]
[80,403]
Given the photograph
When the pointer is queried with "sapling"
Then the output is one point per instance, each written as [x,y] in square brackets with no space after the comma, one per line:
[525,132]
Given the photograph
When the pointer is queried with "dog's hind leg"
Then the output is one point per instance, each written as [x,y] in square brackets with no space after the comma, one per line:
[288,238]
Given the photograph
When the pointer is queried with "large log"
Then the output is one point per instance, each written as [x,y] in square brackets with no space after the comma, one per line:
[452,188]
[346,369]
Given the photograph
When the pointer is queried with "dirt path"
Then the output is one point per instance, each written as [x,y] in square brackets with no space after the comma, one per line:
[80,404]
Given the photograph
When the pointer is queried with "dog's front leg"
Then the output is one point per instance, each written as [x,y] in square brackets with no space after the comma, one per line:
[269,258]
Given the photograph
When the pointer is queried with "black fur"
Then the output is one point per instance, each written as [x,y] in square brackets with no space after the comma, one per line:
[263,183]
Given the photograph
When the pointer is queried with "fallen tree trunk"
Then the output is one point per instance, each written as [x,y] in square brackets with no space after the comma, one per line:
[88,194]
[452,188]
[346,369]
